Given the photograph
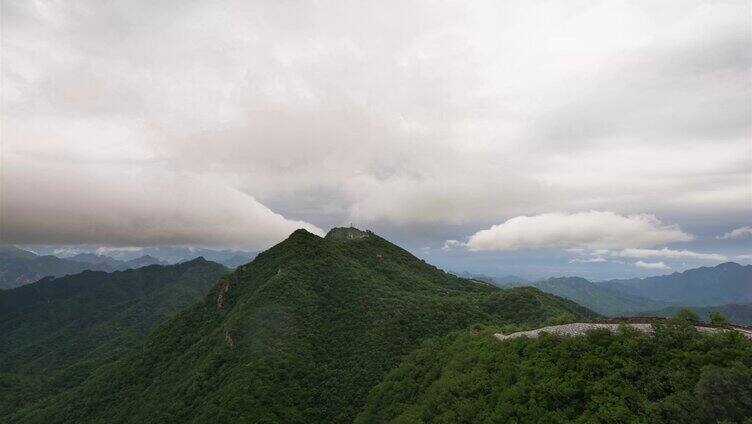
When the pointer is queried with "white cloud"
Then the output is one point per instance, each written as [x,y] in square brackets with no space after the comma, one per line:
[737,233]
[652,265]
[593,229]
[109,251]
[668,254]
[597,259]
[450,244]
[65,252]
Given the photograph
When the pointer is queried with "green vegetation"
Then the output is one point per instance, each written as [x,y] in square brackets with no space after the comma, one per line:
[301,334]
[348,327]
[675,376]
[718,319]
[56,331]
[734,313]
[686,314]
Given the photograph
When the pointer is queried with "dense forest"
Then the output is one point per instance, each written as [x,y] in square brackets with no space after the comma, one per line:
[56,331]
[677,375]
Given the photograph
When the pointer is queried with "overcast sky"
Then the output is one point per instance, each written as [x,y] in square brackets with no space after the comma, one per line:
[589,137]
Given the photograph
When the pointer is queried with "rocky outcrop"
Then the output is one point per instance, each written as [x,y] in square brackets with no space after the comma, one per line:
[229,339]
[222,294]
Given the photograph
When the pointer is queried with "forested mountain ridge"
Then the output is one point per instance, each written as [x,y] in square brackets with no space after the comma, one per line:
[301,334]
[56,328]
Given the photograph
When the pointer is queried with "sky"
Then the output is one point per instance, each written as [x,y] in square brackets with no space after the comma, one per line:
[537,138]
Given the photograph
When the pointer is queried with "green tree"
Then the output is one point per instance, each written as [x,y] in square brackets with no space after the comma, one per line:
[562,318]
[687,315]
[725,393]
[717,318]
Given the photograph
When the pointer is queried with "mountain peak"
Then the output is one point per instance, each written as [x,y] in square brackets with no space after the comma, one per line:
[196,260]
[10,250]
[301,233]
[728,265]
[347,233]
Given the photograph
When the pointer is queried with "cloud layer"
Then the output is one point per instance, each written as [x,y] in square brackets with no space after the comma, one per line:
[135,209]
[265,116]
[668,254]
[593,229]
[652,265]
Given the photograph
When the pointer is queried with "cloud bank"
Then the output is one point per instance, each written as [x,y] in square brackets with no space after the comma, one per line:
[406,113]
[593,229]
[135,209]
[652,265]
[594,260]
[668,254]
[737,233]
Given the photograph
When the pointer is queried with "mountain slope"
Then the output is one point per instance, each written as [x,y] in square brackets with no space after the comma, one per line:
[56,322]
[677,375]
[57,330]
[142,261]
[300,334]
[602,299]
[706,286]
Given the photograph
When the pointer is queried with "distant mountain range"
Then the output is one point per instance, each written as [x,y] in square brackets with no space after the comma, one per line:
[19,267]
[727,283]
[171,255]
[601,299]
[175,254]
[707,286]
[737,313]
[113,264]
